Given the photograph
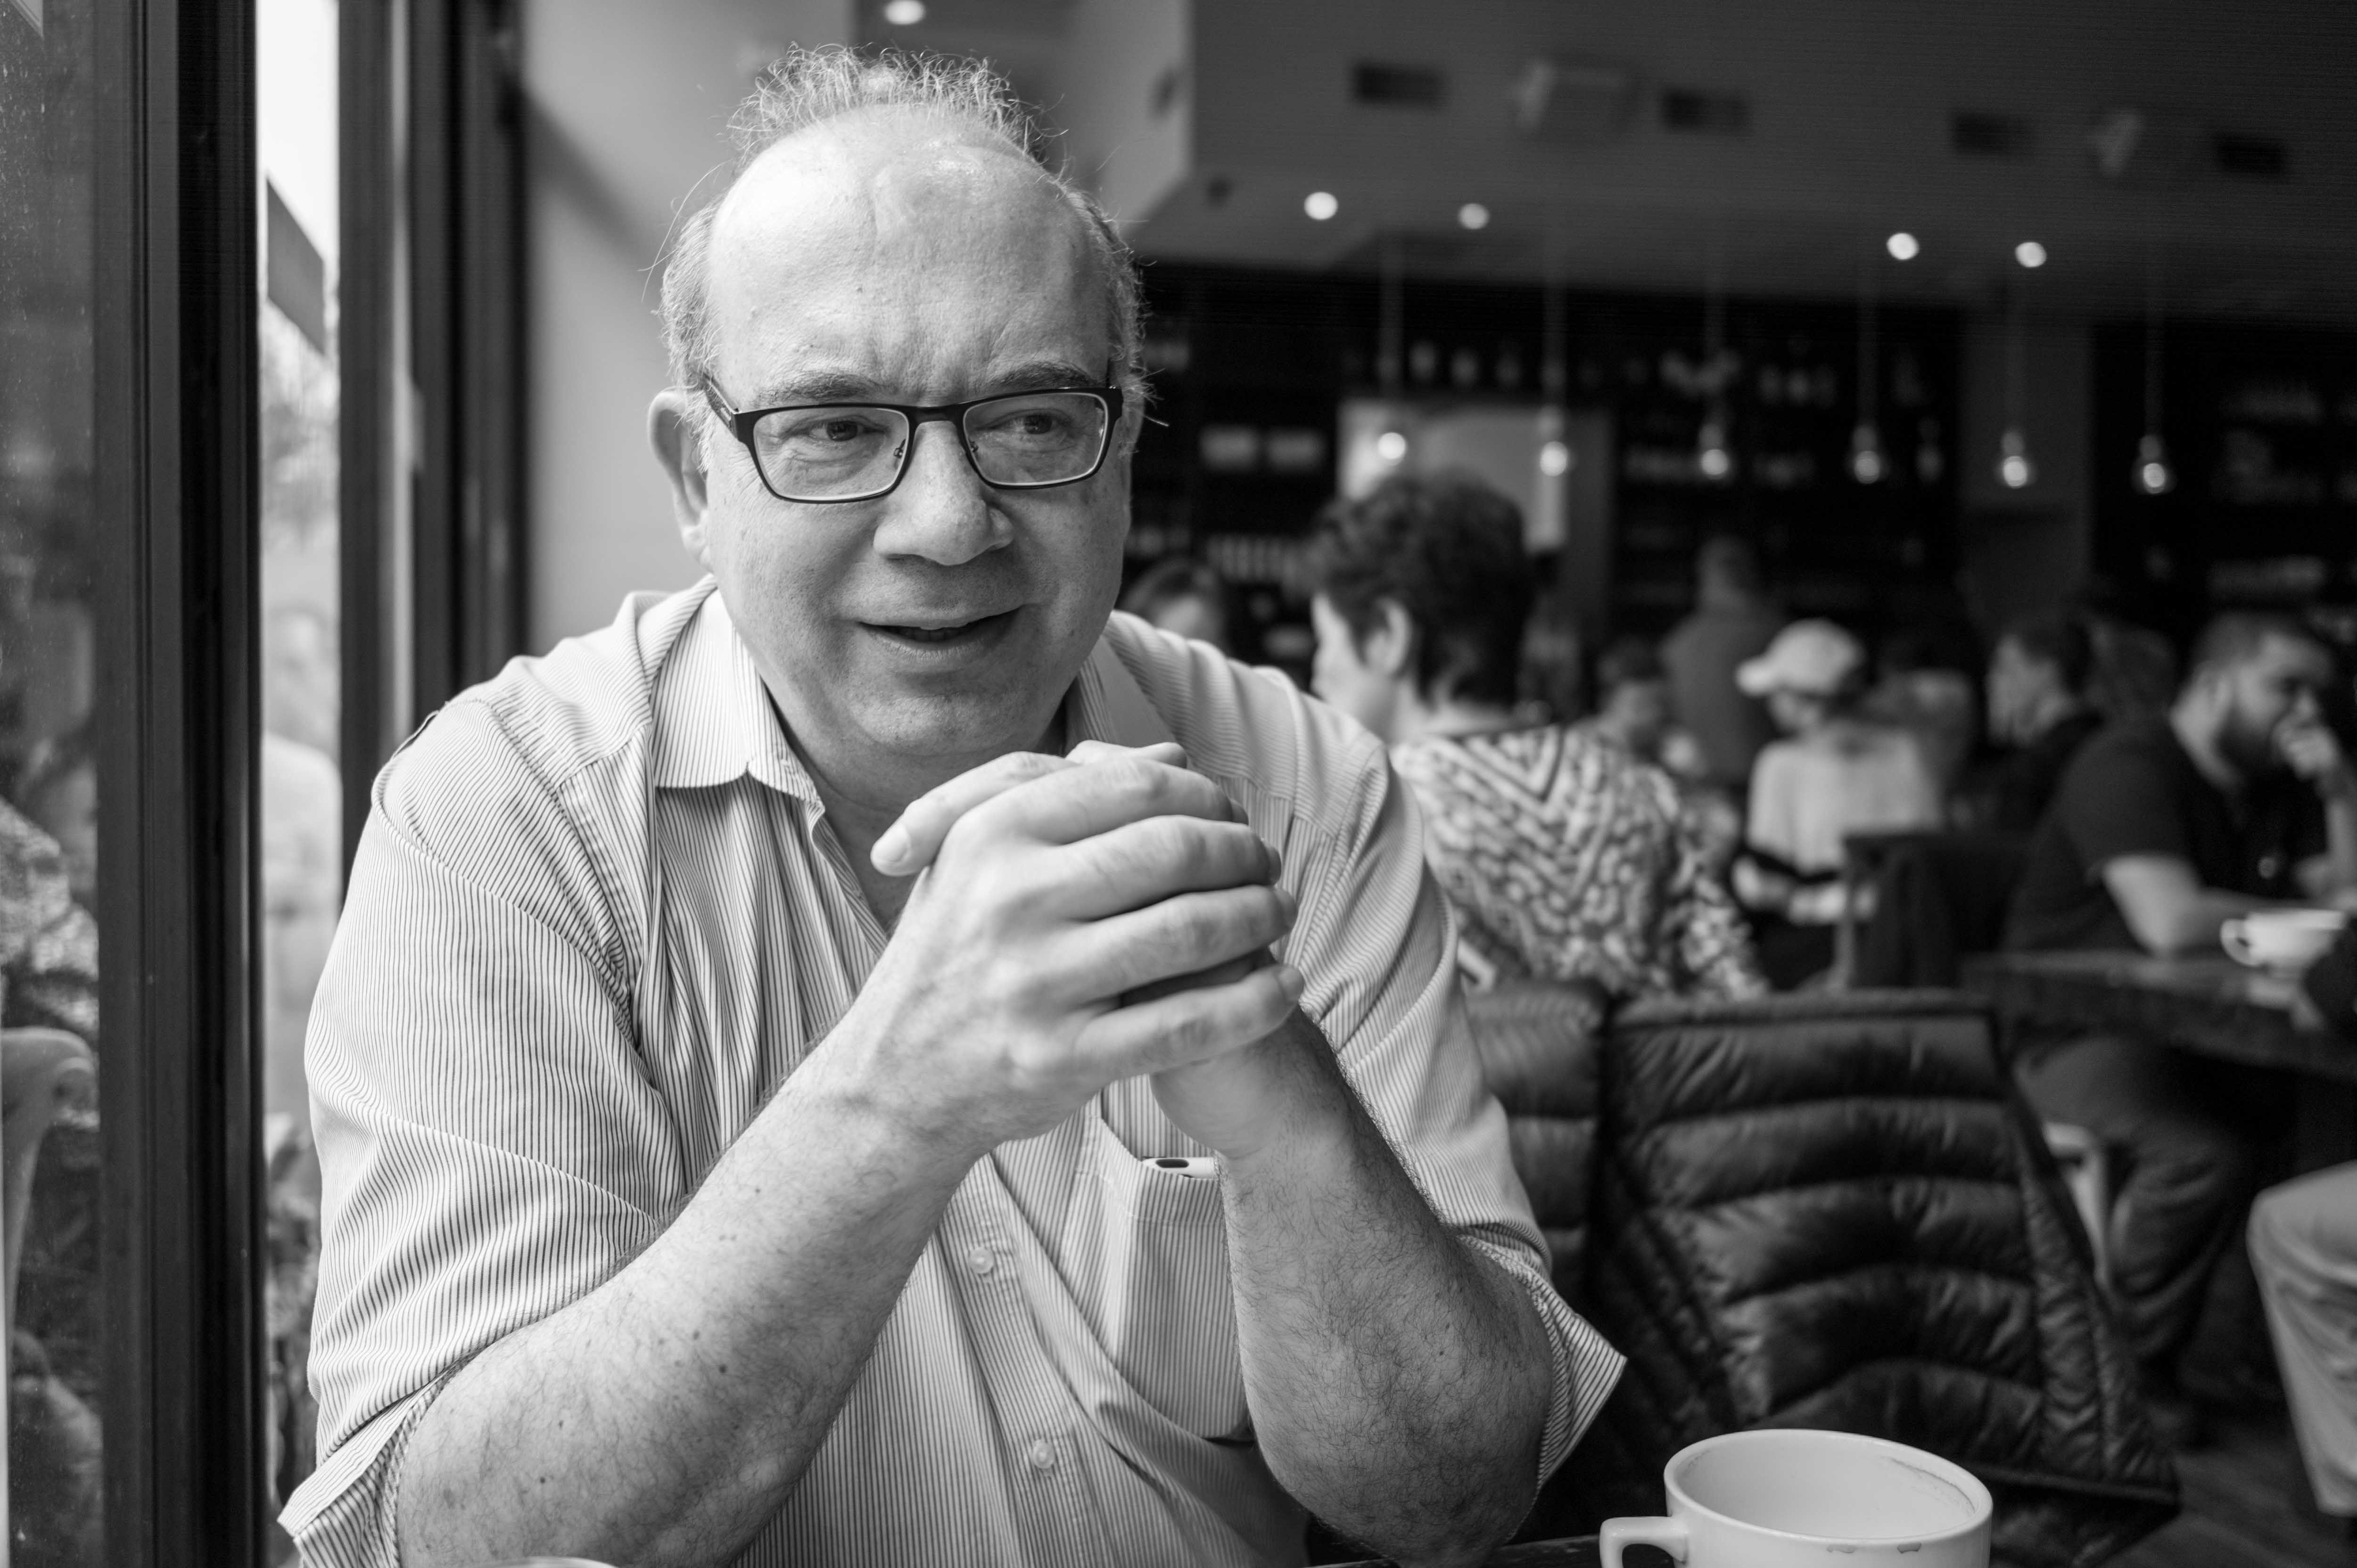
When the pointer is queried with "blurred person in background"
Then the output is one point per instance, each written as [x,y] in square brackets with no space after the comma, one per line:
[1633,712]
[2163,828]
[1566,856]
[1925,685]
[1733,619]
[2038,712]
[1836,772]
[2303,1246]
[1184,595]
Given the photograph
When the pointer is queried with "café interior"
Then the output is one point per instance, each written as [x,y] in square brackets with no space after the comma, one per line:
[1934,343]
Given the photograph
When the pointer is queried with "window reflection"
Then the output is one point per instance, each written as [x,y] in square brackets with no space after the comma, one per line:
[49,784]
[301,794]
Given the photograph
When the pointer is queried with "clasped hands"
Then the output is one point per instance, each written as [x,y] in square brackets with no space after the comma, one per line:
[1078,920]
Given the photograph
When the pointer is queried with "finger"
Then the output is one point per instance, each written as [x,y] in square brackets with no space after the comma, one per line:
[1177,936]
[1082,802]
[1140,864]
[909,844]
[1194,1026]
[1203,979]
[1168,752]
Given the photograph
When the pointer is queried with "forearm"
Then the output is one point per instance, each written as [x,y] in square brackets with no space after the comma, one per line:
[664,1417]
[1398,1380]
[2191,924]
[2340,846]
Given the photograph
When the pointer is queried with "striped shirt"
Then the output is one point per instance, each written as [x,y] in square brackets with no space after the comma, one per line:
[597,916]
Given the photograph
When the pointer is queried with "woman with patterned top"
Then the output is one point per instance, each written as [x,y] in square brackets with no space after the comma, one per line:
[1565,858]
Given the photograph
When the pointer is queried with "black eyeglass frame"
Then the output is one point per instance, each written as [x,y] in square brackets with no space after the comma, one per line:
[741,423]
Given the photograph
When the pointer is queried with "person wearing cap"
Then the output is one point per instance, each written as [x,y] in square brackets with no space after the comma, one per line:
[1836,773]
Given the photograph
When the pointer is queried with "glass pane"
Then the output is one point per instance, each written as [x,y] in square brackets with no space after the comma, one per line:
[302,838]
[48,942]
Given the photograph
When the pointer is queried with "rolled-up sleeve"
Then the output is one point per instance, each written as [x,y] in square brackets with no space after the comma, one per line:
[490,1150]
[1375,943]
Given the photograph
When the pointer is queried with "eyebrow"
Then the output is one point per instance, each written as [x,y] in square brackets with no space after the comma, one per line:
[850,386]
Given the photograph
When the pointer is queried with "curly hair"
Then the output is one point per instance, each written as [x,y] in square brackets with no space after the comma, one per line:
[807,87]
[1447,549]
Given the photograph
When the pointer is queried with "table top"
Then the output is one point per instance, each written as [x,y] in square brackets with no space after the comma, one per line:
[1574,1552]
[2205,1003]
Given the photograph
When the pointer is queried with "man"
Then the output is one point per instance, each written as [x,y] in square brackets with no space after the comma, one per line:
[1733,620]
[775,1106]
[2038,707]
[2164,828]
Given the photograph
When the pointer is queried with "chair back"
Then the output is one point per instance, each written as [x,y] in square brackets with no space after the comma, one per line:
[1539,1044]
[1936,898]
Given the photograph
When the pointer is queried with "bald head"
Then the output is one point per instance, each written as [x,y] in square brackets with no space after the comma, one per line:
[900,225]
[844,159]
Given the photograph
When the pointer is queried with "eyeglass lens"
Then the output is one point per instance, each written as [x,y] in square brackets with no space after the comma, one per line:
[1032,438]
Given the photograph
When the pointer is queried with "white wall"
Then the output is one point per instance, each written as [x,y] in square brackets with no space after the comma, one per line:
[629,105]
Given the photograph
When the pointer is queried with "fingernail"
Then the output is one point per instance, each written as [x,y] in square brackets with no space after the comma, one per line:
[1289,981]
[890,849]
[1288,903]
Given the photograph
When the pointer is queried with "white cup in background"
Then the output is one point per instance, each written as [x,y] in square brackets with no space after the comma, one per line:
[2284,940]
[1789,1496]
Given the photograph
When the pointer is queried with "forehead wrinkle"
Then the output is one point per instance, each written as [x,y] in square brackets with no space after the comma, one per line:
[880,225]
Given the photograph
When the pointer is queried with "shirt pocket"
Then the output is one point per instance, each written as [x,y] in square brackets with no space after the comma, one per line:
[1147,1249]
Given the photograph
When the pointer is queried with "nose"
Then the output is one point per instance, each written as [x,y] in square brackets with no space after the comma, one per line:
[941,512]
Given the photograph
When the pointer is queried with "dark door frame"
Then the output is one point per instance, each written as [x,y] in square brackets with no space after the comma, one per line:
[175,282]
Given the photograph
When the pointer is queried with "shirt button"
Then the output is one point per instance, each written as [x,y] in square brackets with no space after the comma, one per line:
[982,1260]
[1043,1454]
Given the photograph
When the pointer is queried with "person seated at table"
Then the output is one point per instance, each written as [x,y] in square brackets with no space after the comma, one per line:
[1836,773]
[2303,1245]
[1923,684]
[748,1065]
[1184,595]
[1633,712]
[2037,709]
[2162,829]
[1565,858]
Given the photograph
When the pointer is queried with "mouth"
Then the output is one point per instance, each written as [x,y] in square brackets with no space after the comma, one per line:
[942,633]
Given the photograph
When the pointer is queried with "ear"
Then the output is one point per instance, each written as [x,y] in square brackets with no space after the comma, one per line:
[676,428]
[1389,648]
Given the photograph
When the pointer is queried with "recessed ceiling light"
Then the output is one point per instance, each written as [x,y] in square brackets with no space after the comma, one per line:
[1320,205]
[1473,215]
[1902,246]
[2029,254]
[904,13]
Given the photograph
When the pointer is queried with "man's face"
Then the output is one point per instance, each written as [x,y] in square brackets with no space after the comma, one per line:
[2017,684]
[2276,686]
[1342,675]
[883,257]
[1638,711]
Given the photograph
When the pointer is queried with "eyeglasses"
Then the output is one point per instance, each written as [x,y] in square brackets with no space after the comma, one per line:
[858,451]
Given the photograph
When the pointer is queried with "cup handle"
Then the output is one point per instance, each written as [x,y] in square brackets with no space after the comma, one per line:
[1620,1535]
[2233,936]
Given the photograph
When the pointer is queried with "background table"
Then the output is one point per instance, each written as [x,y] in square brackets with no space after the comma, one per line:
[2205,1003]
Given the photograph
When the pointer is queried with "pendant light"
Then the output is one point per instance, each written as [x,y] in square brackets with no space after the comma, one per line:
[2154,476]
[1867,464]
[1713,456]
[2015,471]
[1391,345]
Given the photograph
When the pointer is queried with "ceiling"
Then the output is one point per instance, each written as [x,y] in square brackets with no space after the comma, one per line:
[1848,133]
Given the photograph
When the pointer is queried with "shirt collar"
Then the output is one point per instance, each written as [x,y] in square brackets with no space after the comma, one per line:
[1108,704]
[714,722]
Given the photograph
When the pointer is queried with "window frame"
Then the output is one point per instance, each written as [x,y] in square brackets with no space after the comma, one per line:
[175,279]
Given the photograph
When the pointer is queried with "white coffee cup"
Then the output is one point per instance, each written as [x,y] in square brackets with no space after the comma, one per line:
[2285,941]
[1794,1498]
